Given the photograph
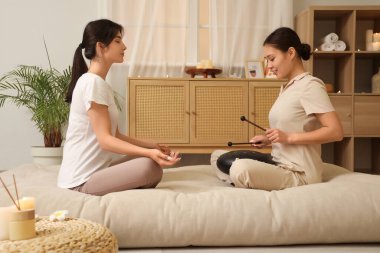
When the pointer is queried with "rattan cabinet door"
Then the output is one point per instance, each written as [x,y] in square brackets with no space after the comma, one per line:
[159,110]
[215,110]
[261,98]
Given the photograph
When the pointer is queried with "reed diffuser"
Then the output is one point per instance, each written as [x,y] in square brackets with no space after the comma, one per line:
[21,223]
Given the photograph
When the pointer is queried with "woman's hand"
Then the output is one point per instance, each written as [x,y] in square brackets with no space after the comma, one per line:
[276,135]
[164,159]
[259,141]
[163,148]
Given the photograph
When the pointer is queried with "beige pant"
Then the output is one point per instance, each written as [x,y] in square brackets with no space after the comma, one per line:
[124,174]
[248,173]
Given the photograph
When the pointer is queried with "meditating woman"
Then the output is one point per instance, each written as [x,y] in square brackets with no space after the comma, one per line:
[93,135]
[301,119]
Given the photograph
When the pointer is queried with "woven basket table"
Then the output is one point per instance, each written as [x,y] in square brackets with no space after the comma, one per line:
[71,235]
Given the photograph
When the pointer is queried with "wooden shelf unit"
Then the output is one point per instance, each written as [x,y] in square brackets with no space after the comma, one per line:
[350,72]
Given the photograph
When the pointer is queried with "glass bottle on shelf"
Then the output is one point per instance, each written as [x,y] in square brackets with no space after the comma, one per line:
[376,82]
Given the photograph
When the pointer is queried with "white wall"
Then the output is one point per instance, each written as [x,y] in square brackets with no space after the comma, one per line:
[23,23]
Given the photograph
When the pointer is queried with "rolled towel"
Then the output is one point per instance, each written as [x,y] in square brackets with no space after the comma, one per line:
[327,47]
[340,45]
[330,38]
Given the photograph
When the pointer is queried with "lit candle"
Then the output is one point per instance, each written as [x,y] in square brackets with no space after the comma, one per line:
[206,64]
[376,37]
[27,203]
[376,46]
[209,64]
[368,36]
[369,47]
[5,213]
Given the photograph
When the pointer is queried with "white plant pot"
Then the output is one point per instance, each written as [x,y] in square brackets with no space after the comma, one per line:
[47,156]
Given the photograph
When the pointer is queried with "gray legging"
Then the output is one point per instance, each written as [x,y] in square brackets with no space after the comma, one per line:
[124,174]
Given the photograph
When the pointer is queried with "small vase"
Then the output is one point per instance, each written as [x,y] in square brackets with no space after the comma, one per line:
[376,82]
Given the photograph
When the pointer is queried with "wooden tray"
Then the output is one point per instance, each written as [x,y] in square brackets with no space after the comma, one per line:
[205,72]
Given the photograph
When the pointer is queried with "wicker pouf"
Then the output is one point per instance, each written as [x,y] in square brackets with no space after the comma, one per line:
[71,235]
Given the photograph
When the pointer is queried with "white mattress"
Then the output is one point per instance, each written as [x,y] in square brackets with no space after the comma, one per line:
[192,207]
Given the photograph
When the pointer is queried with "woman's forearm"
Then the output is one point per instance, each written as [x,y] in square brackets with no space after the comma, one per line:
[116,145]
[140,143]
[320,136]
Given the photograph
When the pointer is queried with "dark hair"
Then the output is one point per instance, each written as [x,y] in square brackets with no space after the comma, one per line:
[102,30]
[283,38]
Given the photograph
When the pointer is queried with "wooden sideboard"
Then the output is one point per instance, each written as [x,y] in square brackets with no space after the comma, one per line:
[199,115]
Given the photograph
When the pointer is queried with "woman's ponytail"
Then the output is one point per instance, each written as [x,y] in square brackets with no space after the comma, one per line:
[78,69]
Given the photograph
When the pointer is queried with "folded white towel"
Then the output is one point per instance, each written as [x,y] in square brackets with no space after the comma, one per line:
[340,45]
[330,38]
[327,47]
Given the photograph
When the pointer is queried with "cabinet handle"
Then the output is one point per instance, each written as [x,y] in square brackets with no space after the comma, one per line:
[348,115]
[194,113]
[187,112]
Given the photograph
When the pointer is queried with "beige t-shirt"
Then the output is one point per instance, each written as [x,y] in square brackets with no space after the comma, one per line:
[293,111]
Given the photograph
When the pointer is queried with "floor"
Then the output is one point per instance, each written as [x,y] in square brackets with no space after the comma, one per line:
[337,248]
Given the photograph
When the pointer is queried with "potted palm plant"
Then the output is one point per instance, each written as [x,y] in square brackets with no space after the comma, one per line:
[43,92]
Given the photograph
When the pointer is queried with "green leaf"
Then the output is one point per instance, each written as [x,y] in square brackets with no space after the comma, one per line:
[43,92]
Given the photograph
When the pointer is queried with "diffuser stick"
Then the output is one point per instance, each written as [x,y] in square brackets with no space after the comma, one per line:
[18,199]
[10,195]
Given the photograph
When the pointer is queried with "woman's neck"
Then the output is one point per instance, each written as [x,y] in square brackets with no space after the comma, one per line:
[298,69]
[99,68]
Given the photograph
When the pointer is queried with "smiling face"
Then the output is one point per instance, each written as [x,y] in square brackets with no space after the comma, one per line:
[279,62]
[114,52]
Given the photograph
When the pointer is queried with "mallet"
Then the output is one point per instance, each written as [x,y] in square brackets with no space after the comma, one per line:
[243,118]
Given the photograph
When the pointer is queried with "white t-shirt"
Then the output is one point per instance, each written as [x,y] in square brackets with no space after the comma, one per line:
[82,154]
[294,111]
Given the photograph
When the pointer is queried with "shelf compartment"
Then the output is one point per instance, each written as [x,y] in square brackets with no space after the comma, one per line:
[335,70]
[339,153]
[366,65]
[367,159]
[337,21]
[365,20]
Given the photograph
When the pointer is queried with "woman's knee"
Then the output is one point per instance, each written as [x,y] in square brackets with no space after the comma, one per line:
[215,155]
[152,172]
[239,173]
